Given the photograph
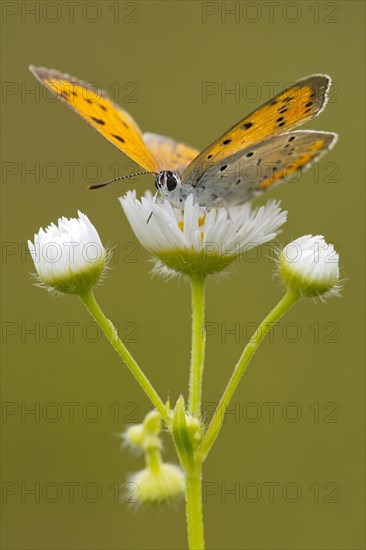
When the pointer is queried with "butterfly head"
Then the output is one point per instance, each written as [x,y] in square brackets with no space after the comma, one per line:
[169,185]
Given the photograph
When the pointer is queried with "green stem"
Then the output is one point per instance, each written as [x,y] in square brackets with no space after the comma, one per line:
[194,474]
[112,336]
[196,539]
[216,423]
[153,460]
[198,345]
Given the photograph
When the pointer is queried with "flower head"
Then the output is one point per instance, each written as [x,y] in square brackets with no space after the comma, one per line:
[69,257]
[146,435]
[160,486]
[310,265]
[197,240]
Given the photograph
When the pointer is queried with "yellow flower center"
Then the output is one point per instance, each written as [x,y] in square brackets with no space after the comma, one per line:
[201,221]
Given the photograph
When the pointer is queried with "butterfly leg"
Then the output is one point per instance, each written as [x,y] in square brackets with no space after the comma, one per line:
[227,210]
[152,211]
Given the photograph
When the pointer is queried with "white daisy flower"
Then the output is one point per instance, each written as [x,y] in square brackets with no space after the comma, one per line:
[310,265]
[69,257]
[197,240]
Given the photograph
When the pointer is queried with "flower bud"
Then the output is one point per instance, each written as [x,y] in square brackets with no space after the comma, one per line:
[310,265]
[135,436]
[152,422]
[158,487]
[69,257]
[183,435]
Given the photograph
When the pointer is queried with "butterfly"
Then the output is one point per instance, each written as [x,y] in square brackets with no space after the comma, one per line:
[252,156]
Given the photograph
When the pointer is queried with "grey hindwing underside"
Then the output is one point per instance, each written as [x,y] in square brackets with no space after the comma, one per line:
[238,178]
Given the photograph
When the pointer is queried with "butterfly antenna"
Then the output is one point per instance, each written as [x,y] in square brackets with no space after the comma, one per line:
[99,185]
[153,202]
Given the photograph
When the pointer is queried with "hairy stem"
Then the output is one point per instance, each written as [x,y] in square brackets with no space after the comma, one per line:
[214,428]
[198,345]
[112,336]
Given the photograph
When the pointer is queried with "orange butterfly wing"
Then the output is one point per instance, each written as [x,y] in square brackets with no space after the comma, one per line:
[101,112]
[295,105]
[169,154]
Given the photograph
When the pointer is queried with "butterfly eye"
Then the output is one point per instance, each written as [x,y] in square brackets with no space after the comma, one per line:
[171,181]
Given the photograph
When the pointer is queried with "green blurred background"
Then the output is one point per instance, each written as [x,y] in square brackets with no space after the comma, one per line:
[291,452]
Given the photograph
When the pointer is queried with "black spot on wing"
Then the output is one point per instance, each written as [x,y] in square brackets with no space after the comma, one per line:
[247,125]
[281,121]
[116,136]
[98,120]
